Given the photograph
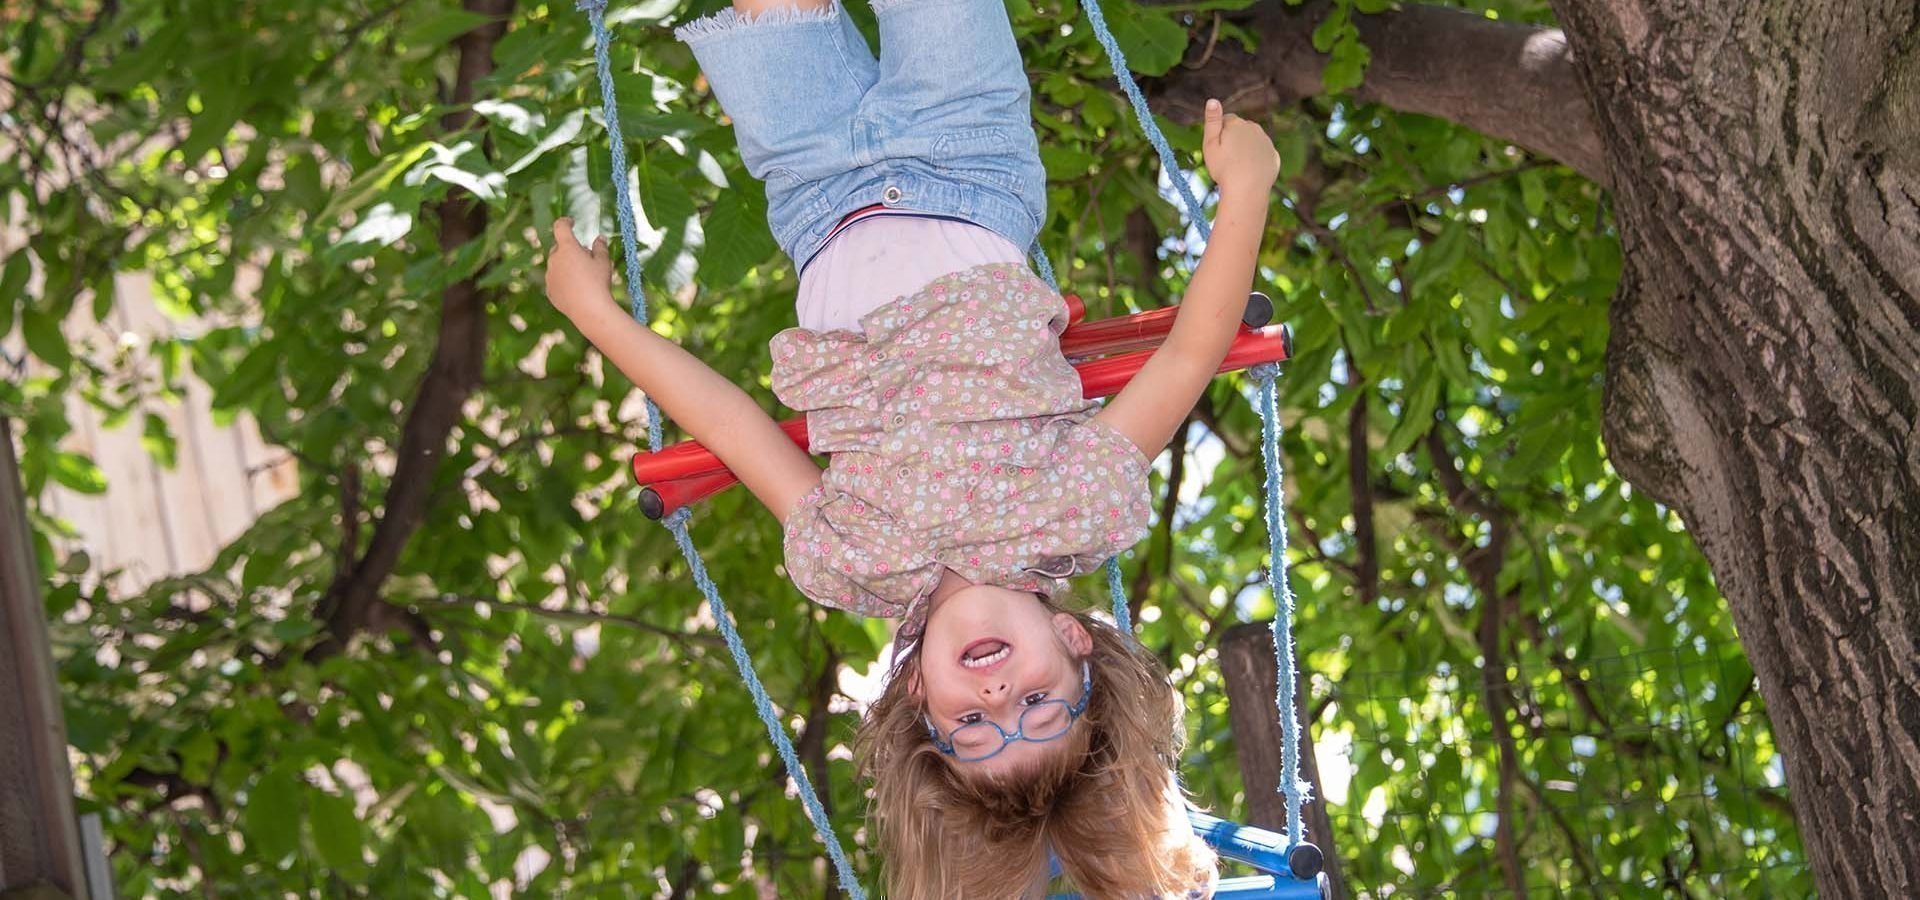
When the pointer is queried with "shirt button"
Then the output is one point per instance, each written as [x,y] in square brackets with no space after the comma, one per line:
[899,421]
[892,194]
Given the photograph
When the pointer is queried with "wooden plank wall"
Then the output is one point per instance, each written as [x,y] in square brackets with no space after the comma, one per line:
[154,522]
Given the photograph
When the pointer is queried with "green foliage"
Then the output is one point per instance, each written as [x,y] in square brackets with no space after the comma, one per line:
[282,170]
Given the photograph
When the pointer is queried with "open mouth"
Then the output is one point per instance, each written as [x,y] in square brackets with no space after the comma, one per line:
[985,652]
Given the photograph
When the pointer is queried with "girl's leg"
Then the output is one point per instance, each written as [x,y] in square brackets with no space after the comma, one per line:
[951,117]
[950,75]
[791,74]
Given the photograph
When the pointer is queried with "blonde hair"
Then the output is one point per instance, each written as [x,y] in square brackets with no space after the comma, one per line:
[1107,804]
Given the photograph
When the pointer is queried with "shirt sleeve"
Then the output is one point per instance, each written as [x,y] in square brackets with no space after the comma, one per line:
[843,553]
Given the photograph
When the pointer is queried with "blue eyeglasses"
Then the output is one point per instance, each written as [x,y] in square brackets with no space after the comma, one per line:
[1039,723]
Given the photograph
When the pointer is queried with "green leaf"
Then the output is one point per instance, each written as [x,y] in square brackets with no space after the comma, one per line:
[371,182]
[737,238]
[13,288]
[1347,63]
[260,368]
[296,629]
[1533,192]
[1152,42]
[272,817]
[221,105]
[337,833]
[441,28]
[159,442]
[381,225]
[90,729]
[42,331]
[580,197]
[562,134]
[76,472]
[1416,411]
[1331,28]
[197,756]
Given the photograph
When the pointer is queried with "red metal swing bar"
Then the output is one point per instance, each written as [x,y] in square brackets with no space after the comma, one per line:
[687,472]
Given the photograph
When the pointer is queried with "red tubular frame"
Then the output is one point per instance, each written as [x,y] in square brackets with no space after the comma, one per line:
[687,472]
[1108,336]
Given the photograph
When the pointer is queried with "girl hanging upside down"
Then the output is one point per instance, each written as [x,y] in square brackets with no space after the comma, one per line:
[967,478]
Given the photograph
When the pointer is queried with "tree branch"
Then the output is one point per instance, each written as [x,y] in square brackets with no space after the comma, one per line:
[1483,566]
[1513,82]
[1366,547]
[453,371]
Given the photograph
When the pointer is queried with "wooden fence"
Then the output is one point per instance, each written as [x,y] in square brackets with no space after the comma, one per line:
[154,521]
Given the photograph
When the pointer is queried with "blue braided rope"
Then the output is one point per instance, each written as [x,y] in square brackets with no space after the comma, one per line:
[1043,266]
[762,704]
[1290,784]
[677,523]
[1124,75]
[1122,616]
[596,11]
[1279,583]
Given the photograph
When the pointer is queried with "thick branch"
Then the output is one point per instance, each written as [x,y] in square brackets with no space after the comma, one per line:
[453,372]
[1513,82]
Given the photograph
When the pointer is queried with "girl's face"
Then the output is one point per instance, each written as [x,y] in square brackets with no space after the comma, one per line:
[989,653]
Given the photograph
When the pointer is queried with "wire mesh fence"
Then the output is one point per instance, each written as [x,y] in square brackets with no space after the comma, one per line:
[1652,774]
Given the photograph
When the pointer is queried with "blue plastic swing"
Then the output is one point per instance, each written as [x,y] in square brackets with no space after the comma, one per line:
[1291,866]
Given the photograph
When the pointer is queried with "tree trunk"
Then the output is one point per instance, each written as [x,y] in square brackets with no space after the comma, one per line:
[39,837]
[1763,376]
[1246,662]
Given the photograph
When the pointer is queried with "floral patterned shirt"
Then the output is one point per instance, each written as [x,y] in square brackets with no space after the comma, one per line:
[959,440]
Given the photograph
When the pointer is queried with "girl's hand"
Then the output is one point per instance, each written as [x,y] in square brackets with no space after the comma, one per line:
[1238,153]
[578,279]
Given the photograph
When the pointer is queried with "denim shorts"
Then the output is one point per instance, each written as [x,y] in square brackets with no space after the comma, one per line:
[941,123]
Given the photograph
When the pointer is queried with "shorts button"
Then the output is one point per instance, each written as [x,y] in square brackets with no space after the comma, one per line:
[892,194]
[899,421]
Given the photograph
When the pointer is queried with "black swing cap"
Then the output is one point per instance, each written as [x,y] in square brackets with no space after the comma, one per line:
[1305,861]
[1259,310]
[651,505]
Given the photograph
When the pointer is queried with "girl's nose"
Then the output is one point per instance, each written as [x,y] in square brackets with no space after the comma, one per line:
[988,692]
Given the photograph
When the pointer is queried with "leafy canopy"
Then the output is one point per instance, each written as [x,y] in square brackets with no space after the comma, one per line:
[565,721]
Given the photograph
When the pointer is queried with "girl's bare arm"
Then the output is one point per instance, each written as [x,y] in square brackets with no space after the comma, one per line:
[711,408]
[1150,409]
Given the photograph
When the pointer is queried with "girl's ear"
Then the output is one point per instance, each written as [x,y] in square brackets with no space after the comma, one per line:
[1073,634]
[912,675]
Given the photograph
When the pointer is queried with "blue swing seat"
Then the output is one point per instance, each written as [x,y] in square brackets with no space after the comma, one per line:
[1257,847]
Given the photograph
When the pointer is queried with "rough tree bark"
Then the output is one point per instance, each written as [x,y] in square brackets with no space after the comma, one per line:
[1433,60]
[1763,377]
[1763,374]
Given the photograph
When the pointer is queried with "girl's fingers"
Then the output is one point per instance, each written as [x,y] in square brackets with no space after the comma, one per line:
[1215,121]
[600,248]
[563,234]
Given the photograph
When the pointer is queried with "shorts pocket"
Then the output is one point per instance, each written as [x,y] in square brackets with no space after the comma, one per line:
[793,203]
[981,154]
